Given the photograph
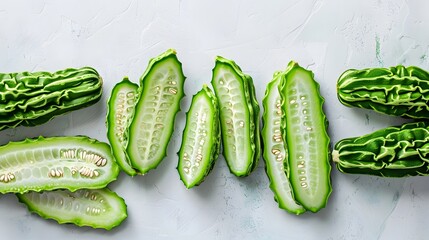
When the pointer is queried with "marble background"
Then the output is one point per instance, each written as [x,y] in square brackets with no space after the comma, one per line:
[119,37]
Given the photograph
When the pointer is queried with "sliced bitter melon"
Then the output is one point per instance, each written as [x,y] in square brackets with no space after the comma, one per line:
[201,139]
[161,89]
[304,129]
[97,208]
[239,116]
[56,162]
[275,151]
[119,115]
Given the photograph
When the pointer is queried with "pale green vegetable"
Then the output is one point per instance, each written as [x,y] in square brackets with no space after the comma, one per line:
[97,208]
[56,163]
[201,139]
[119,115]
[275,150]
[304,130]
[160,92]
[239,116]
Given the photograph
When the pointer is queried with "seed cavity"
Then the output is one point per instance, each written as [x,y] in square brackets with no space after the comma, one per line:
[277,138]
[172,90]
[81,154]
[93,197]
[56,173]
[187,163]
[275,151]
[69,153]
[278,154]
[278,104]
[88,172]
[7,177]
[93,210]
[130,95]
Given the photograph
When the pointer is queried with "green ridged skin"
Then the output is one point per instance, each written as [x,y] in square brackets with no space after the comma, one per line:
[160,93]
[255,125]
[400,91]
[119,115]
[274,151]
[201,139]
[96,208]
[398,151]
[34,98]
[239,116]
[56,163]
[304,131]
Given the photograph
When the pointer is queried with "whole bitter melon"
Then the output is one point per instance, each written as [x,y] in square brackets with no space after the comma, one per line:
[397,151]
[33,98]
[400,91]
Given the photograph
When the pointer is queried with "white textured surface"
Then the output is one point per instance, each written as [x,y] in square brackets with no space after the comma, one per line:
[119,37]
